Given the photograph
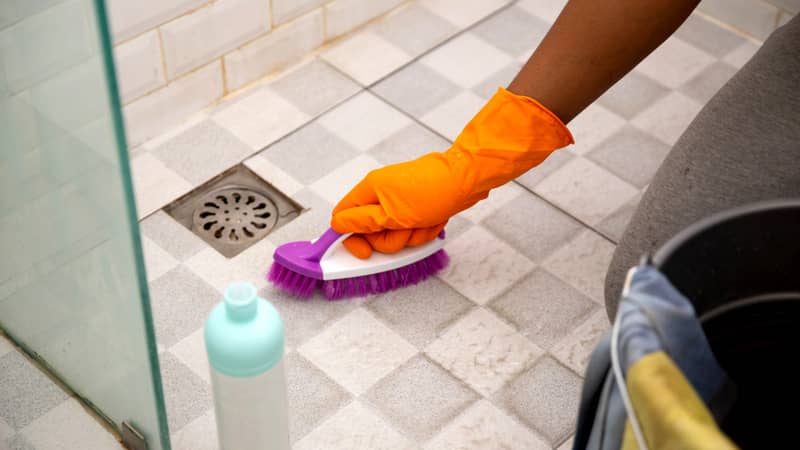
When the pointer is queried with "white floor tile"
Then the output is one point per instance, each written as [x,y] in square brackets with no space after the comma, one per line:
[583,263]
[357,351]
[156,260]
[668,118]
[364,121]
[675,62]
[450,117]
[467,60]
[354,427]
[463,13]
[366,57]
[69,427]
[154,184]
[191,351]
[338,183]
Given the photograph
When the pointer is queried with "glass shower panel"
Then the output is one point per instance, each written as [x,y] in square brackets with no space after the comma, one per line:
[72,284]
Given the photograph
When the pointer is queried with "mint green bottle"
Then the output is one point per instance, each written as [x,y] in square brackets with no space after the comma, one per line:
[245,342]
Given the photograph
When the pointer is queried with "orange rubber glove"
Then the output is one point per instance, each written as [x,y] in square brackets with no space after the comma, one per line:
[409,203]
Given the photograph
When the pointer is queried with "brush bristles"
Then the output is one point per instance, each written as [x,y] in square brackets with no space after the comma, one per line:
[303,286]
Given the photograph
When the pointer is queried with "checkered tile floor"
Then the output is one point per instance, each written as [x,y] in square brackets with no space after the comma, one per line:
[489,354]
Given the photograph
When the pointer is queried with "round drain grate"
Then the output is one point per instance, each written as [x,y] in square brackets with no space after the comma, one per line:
[234,216]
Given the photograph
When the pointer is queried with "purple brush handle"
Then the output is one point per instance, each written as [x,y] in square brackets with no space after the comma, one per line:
[315,251]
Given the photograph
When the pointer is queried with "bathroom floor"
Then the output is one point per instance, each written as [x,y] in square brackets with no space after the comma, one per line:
[490,353]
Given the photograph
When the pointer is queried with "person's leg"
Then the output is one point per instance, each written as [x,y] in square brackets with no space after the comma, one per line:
[743,147]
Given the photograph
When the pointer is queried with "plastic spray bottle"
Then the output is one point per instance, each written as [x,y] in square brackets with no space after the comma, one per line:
[244,341]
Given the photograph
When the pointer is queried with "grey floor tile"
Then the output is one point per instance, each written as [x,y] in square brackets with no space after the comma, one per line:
[19,442]
[707,83]
[502,78]
[409,143]
[171,236]
[632,94]
[614,225]
[419,313]
[414,29]
[181,301]
[25,392]
[315,87]
[419,398]
[513,30]
[532,226]
[312,222]
[310,153]
[416,89]
[544,308]
[553,162]
[708,36]
[546,398]
[202,152]
[187,396]
[456,226]
[304,319]
[313,397]
[631,154]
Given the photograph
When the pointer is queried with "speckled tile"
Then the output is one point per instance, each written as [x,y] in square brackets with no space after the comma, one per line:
[582,263]
[199,434]
[354,427]
[357,351]
[568,444]
[419,313]
[575,349]
[5,431]
[414,29]
[592,126]
[544,308]
[260,118]
[449,118]
[482,427]
[416,89]
[156,260]
[463,13]
[155,184]
[545,398]
[327,150]
[739,56]
[674,62]
[513,30]
[251,265]
[191,351]
[708,36]
[419,398]
[466,60]
[315,87]
[171,236]
[337,183]
[187,396]
[502,78]
[181,302]
[312,222]
[364,120]
[409,143]
[498,197]
[68,426]
[202,151]
[632,155]
[614,225]
[586,190]
[632,94]
[5,346]
[312,395]
[667,118]
[366,57]
[531,226]
[25,392]
[483,351]
[708,82]
[273,175]
[553,162]
[482,266]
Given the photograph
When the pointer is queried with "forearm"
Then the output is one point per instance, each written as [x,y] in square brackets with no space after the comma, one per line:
[592,45]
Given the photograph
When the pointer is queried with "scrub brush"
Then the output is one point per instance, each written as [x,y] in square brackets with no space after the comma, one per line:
[300,268]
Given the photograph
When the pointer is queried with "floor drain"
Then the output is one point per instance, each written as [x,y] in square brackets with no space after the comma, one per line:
[234,210]
[234,216]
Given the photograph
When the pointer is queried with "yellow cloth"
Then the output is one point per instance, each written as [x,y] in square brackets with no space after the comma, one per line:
[671,414]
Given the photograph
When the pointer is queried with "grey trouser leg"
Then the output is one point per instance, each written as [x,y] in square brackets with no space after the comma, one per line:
[743,147]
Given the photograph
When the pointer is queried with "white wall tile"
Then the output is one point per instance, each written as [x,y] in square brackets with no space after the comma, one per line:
[283,46]
[129,18]
[286,10]
[342,16]
[155,113]
[207,33]
[755,17]
[139,67]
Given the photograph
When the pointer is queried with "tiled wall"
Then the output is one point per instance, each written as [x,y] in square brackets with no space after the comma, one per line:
[175,57]
[758,18]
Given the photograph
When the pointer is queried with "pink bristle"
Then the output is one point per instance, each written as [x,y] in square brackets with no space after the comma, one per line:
[377,283]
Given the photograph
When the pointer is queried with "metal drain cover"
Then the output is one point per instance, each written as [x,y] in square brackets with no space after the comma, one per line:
[234,217]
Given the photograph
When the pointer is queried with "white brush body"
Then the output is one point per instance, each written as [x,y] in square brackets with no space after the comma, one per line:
[338,263]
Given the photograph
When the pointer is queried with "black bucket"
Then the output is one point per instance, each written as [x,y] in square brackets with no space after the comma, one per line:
[741,270]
